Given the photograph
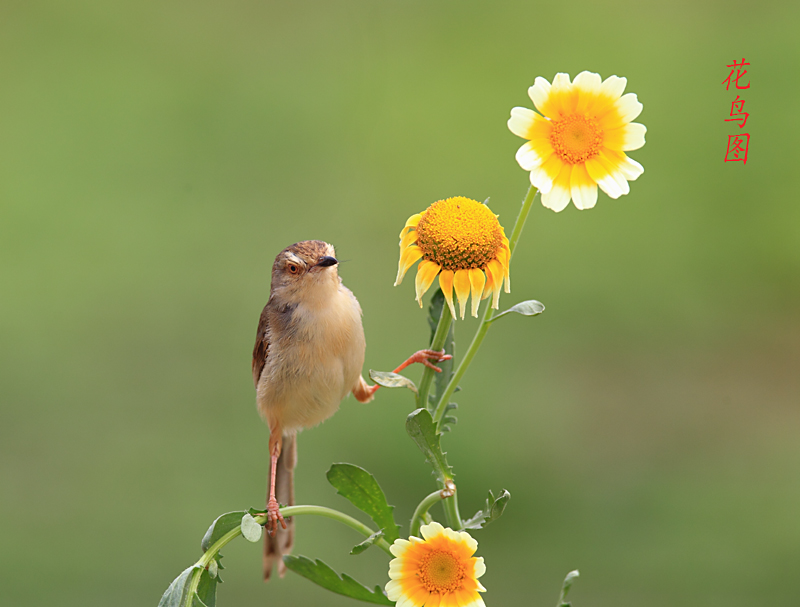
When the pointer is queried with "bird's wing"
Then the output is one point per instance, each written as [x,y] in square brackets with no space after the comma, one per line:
[261,348]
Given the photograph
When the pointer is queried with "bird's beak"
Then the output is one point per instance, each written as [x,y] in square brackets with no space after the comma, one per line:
[327,261]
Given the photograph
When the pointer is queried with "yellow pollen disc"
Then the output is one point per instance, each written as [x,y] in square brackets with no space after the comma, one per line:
[441,572]
[459,234]
[576,138]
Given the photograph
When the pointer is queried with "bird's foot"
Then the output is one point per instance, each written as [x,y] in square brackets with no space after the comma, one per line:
[274,516]
[425,357]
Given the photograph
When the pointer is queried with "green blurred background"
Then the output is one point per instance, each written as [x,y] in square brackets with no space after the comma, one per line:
[157,155]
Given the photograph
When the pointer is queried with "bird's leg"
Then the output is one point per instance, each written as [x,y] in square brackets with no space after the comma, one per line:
[364,392]
[273,514]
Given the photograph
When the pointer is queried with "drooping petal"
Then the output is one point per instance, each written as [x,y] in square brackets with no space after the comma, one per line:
[488,287]
[497,272]
[462,286]
[408,257]
[410,223]
[476,281]
[426,273]
[446,285]
[409,238]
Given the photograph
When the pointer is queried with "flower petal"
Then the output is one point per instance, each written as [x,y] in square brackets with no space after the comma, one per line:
[426,273]
[476,280]
[625,138]
[521,121]
[558,197]
[539,92]
[534,153]
[446,285]
[587,84]
[497,273]
[409,239]
[410,223]
[582,188]
[462,287]
[408,257]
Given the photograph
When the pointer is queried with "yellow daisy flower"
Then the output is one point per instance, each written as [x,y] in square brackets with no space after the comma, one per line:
[438,571]
[460,241]
[580,140]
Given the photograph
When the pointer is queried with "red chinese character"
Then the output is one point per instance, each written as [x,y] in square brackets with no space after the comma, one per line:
[739,74]
[738,105]
[735,149]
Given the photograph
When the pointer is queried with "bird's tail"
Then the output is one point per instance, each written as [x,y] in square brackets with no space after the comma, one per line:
[281,543]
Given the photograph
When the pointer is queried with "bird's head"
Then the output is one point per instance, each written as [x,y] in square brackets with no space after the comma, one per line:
[305,271]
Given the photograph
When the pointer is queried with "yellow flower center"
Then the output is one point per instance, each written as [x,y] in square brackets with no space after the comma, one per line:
[459,234]
[441,572]
[576,138]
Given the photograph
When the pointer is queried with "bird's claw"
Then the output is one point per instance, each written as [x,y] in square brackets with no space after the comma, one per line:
[425,357]
[274,516]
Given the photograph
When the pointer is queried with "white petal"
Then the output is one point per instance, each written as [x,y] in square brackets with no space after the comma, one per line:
[399,547]
[528,157]
[584,195]
[599,172]
[588,82]
[541,180]
[561,81]
[634,136]
[629,107]
[631,169]
[394,589]
[613,86]
[539,92]
[521,121]
[480,567]
[557,198]
[431,530]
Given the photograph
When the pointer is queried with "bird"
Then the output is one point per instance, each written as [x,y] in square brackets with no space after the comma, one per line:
[308,356]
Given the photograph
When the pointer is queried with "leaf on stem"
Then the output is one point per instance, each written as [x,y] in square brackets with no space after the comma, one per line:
[206,595]
[491,512]
[359,548]
[220,527]
[526,308]
[387,379]
[440,380]
[321,574]
[361,488]
[421,428]
[251,530]
[562,600]
[175,595]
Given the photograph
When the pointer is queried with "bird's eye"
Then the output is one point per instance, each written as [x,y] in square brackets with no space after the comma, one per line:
[293,269]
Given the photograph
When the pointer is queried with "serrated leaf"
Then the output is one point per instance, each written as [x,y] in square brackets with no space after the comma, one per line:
[321,574]
[221,526]
[251,530]
[526,308]
[422,429]
[364,492]
[562,599]
[206,591]
[491,512]
[440,380]
[388,379]
[175,595]
[359,548]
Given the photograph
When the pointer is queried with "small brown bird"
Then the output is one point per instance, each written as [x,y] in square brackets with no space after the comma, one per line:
[308,357]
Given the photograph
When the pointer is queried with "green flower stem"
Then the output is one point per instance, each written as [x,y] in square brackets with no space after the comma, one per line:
[451,512]
[437,344]
[422,509]
[261,519]
[485,320]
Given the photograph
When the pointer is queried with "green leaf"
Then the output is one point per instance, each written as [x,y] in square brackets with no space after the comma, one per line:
[420,427]
[387,379]
[491,512]
[440,380]
[251,530]
[175,595]
[206,595]
[562,600]
[319,573]
[220,527]
[526,308]
[359,548]
[361,488]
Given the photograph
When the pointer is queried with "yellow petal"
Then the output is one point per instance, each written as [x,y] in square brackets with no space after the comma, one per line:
[426,273]
[411,223]
[462,287]
[407,259]
[489,286]
[446,284]
[409,239]
[476,280]
[496,270]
